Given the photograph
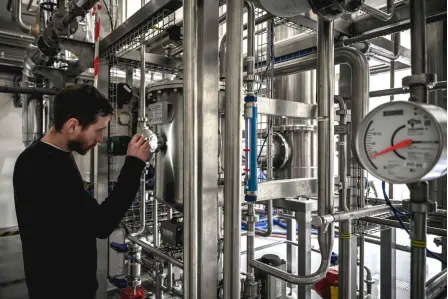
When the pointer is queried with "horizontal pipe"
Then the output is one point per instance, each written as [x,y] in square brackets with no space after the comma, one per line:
[401,90]
[393,223]
[319,221]
[147,247]
[388,30]
[27,90]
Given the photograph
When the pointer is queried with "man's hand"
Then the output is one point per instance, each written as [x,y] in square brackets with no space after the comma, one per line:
[139,147]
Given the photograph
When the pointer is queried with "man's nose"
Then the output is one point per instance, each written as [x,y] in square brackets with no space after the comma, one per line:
[99,139]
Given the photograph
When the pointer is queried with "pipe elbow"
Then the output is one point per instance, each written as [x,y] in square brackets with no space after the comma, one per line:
[17,17]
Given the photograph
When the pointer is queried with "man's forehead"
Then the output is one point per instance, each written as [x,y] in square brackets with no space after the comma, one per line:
[102,121]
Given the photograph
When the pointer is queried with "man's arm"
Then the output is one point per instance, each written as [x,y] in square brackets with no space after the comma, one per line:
[106,216]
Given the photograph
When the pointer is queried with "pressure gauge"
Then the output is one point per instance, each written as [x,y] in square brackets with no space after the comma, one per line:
[403,142]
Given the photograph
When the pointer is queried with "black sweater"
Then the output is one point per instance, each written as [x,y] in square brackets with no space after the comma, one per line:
[59,221]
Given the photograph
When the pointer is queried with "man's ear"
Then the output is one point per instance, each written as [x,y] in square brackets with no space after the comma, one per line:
[72,125]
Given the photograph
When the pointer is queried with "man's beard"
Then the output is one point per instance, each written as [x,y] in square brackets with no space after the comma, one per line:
[77,146]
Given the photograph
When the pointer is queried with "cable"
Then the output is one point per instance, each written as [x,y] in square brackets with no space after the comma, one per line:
[396,213]
[110,16]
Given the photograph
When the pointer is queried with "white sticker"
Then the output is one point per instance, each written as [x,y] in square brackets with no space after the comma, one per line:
[155,114]
[418,165]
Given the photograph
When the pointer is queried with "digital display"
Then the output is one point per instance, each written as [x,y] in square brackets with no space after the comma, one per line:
[393,112]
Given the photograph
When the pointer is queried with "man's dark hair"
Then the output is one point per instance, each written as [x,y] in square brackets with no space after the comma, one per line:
[83,102]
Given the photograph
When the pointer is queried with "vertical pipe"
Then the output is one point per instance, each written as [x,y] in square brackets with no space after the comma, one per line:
[169,279]
[418,256]
[361,266]
[417,9]
[142,122]
[251,116]
[345,226]
[436,64]
[418,191]
[325,129]
[189,173]
[232,171]
[388,279]
[304,252]
[291,251]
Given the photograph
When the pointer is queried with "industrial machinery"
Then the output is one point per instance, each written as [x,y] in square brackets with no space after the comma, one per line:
[266,134]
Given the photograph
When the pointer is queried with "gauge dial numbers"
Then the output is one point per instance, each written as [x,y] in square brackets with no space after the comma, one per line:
[403,142]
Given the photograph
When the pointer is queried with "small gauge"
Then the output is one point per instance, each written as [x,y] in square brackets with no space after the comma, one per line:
[403,142]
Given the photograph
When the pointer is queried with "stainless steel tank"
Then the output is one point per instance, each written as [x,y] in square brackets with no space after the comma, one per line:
[166,119]
[300,134]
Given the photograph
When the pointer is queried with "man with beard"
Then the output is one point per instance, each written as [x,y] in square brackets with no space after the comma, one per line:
[58,220]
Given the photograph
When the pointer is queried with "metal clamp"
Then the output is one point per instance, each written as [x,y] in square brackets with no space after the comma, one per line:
[343,112]
[424,207]
[420,79]
[321,221]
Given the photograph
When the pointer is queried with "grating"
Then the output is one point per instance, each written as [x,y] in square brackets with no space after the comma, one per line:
[147,31]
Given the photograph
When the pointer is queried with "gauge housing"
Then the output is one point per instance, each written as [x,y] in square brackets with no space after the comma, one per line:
[393,123]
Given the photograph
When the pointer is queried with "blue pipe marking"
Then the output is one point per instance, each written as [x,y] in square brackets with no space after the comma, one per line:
[253,180]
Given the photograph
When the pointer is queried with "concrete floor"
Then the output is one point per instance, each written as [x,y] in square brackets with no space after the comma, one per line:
[12,283]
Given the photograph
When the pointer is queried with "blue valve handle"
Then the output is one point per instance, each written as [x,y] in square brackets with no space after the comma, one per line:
[118,247]
[118,282]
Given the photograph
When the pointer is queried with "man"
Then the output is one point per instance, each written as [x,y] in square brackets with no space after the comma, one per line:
[58,220]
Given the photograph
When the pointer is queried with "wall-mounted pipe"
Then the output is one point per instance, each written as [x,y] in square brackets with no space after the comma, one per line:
[325,84]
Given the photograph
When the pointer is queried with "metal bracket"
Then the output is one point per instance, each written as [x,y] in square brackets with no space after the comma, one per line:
[420,79]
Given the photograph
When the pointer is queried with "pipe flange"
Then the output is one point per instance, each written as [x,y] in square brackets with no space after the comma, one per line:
[420,79]
[424,207]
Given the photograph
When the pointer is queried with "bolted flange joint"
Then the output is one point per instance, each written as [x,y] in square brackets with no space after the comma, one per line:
[423,207]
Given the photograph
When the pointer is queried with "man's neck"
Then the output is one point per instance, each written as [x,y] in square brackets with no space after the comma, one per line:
[56,139]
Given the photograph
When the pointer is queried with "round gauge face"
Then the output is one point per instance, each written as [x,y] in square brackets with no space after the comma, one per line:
[403,142]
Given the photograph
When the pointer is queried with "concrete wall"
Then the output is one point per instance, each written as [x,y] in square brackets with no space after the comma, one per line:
[10,147]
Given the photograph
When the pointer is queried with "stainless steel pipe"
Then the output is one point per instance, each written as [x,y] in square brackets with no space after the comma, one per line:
[189,156]
[436,285]
[393,223]
[401,90]
[148,248]
[232,171]
[325,87]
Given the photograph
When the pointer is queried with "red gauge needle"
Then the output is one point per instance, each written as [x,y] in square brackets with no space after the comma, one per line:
[404,143]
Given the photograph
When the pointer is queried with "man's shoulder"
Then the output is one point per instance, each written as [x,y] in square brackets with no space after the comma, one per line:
[33,156]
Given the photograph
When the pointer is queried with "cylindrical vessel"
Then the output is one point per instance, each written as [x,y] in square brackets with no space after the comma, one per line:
[169,158]
[299,87]
[165,116]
